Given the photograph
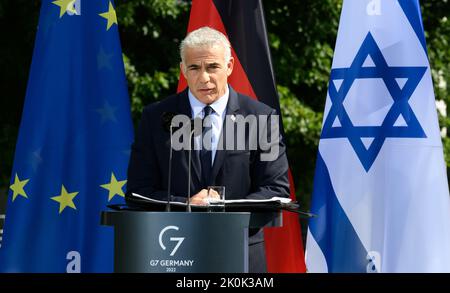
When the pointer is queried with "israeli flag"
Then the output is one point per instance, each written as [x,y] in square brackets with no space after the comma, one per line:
[380,187]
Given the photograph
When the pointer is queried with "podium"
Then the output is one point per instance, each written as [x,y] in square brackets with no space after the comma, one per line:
[180,242]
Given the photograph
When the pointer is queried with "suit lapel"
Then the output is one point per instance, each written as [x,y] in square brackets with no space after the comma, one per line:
[184,108]
[232,109]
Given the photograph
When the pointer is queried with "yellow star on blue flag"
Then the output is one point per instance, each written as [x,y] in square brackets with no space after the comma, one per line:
[114,187]
[110,15]
[64,6]
[65,199]
[18,187]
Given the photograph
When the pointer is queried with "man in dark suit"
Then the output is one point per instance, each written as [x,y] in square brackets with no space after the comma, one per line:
[206,65]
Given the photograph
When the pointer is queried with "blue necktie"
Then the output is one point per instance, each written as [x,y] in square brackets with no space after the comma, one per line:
[205,152]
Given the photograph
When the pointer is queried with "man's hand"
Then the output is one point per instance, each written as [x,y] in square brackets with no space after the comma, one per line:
[201,198]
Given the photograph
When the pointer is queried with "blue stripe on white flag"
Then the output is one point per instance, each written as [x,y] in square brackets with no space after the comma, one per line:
[332,229]
[411,8]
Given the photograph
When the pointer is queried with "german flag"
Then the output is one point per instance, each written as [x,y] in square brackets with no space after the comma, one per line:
[244,25]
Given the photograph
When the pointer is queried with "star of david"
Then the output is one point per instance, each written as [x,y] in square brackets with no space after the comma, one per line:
[400,107]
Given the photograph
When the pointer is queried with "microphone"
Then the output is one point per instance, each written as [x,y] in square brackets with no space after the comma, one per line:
[166,120]
[194,132]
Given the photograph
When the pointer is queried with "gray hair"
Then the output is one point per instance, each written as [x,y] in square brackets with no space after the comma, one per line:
[205,37]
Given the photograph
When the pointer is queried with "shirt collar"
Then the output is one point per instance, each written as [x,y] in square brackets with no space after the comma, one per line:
[218,106]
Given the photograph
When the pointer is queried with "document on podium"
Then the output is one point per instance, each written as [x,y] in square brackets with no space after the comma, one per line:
[236,205]
[227,202]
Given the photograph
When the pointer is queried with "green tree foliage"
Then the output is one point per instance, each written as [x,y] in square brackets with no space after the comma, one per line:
[302,36]
[150,32]
[18,20]
[436,14]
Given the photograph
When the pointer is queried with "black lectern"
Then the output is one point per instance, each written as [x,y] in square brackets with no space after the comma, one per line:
[179,242]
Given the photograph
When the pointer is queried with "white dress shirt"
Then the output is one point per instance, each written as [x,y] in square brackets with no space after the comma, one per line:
[217,119]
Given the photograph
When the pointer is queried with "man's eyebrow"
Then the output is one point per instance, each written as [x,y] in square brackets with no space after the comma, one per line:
[212,64]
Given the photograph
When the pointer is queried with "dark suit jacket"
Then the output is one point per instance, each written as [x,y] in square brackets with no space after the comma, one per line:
[242,172]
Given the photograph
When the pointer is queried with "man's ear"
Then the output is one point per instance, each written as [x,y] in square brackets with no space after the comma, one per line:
[230,66]
[182,69]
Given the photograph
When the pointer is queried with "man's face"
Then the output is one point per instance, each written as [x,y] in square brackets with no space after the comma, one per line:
[207,72]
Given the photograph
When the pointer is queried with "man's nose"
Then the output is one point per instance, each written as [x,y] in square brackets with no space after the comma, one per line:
[204,76]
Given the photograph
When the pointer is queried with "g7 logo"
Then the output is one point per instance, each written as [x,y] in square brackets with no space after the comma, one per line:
[177,239]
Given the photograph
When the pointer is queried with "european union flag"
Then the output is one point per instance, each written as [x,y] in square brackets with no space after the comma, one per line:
[73,147]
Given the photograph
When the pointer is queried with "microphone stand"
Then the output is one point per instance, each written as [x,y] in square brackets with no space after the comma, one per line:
[167,124]
[170,172]
[188,207]
[192,132]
